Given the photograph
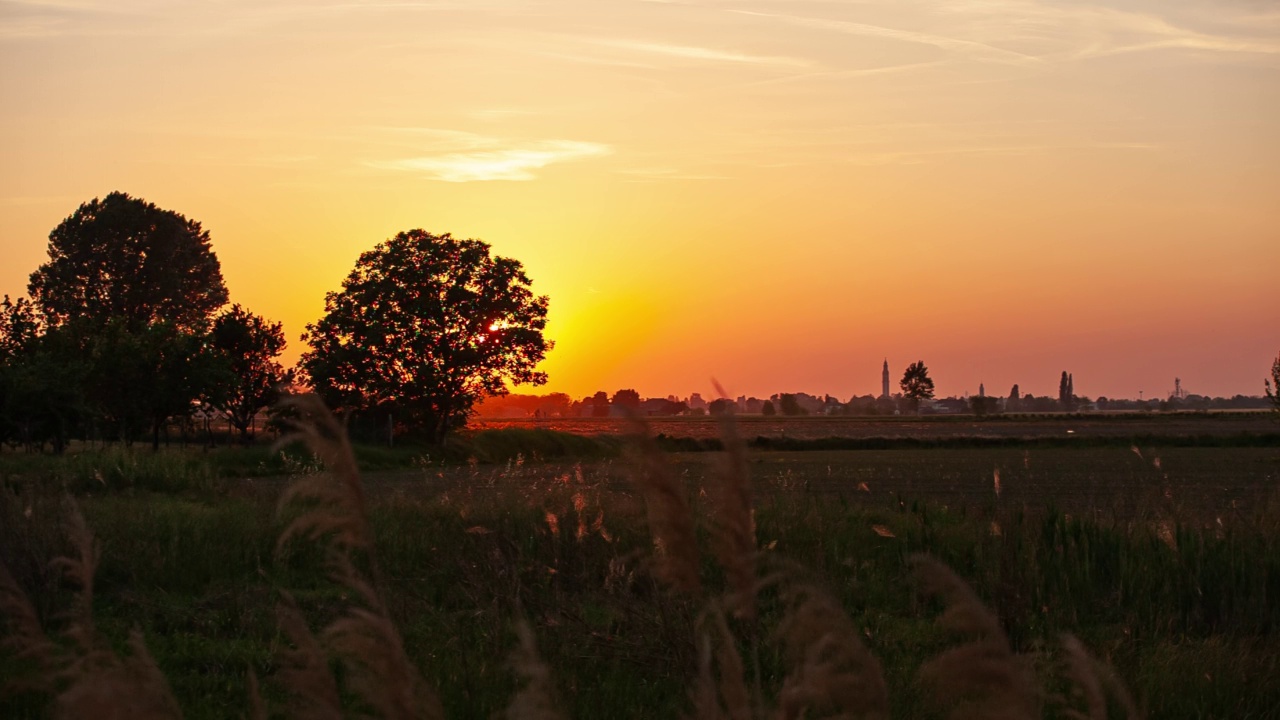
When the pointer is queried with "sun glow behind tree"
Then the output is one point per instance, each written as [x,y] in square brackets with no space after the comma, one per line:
[778,194]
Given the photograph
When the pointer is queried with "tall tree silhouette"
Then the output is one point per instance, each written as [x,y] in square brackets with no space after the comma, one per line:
[122,258]
[129,290]
[423,327]
[1272,386]
[916,384]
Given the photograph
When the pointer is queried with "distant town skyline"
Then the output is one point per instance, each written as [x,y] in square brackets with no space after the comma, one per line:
[773,194]
[1041,387]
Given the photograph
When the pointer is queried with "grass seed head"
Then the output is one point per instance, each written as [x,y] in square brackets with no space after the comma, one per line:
[536,698]
[982,678]
[669,516]
[830,672]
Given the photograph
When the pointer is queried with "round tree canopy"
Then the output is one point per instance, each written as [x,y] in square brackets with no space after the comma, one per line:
[424,326]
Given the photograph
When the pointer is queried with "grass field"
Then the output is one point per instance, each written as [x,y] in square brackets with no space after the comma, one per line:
[1164,560]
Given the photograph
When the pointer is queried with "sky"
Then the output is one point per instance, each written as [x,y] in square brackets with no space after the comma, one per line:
[775,194]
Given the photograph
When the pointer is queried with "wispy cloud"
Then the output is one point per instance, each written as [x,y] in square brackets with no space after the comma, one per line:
[491,158]
[1073,30]
[27,19]
[692,52]
[969,47]
[845,74]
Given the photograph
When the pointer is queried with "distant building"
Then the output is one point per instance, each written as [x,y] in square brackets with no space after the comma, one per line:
[884,380]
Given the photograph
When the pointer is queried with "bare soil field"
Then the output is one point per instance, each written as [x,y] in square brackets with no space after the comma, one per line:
[1218,424]
[1199,486]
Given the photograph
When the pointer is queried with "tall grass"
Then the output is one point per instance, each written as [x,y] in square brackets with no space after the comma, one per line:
[685,584]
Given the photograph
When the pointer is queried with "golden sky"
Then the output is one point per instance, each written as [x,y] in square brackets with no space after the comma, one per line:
[775,194]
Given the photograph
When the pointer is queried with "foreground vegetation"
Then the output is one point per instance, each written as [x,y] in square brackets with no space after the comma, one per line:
[1177,596]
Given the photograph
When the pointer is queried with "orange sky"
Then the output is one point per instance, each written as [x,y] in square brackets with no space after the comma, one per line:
[775,194]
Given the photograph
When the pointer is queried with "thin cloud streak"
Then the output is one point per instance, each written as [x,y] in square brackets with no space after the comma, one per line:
[1086,31]
[845,74]
[700,53]
[515,163]
[969,47]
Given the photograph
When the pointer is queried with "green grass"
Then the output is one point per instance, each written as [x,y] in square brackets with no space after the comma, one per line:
[1185,608]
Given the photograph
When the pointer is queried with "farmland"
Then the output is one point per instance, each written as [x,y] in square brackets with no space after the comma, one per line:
[1162,557]
[1055,425]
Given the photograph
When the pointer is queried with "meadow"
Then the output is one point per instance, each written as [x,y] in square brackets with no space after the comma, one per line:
[1161,557]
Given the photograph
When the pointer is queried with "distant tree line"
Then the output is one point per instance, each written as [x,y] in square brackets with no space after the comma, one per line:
[917,397]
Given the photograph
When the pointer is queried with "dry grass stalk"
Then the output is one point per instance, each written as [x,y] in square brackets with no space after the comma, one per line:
[982,678]
[25,637]
[364,639]
[106,686]
[536,699]
[670,519]
[337,497]
[720,691]
[704,694]
[735,532]
[80,571]
[831,672]
[257,708]
[1091,680]
[369,645]
[304,668]
[87,679]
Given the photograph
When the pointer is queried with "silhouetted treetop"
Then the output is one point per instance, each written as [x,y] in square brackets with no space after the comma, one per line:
[916,384]
[122,257]
[19,326]
[249,345]
[424,326]
[628,398]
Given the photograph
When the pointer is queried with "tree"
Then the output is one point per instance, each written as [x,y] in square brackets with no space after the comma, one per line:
[248,345]
[1066,392]
[41,379]
[628,400]
[983,405]
[129,290]
[1272,386]
[423,327]
[767,409]
[721,407]
[1015,399]
[19,329]
[599,404]
[789,405]
[916,384]
[138,379]
[124,258]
